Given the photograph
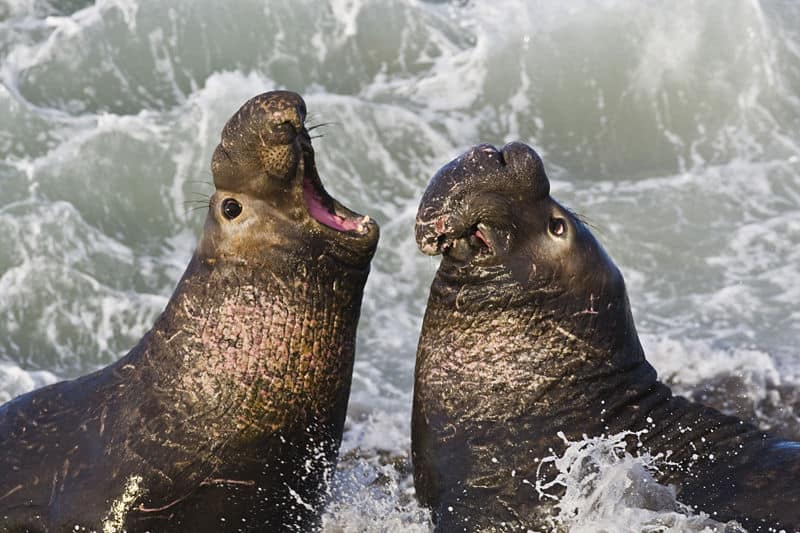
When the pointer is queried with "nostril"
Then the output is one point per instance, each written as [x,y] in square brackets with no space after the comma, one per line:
[481,151]
[285,127]
[284,133]
[486,153]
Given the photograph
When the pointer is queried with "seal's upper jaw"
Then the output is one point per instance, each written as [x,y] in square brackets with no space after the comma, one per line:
[466,209]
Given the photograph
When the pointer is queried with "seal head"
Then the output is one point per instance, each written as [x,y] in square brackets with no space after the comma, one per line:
[265,174]
[490,213]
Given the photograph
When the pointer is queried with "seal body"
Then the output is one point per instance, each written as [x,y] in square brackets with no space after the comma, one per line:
[527,334]
[228,414]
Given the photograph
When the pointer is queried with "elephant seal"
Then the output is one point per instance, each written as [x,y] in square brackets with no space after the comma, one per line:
[528,333]
[228,414]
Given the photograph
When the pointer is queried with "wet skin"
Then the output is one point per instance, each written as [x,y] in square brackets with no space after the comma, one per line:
[228,414]
[528,332]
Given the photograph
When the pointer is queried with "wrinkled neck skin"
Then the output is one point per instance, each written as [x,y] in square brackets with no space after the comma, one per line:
[253,362]
[533,339]
[275,347]
[507,366]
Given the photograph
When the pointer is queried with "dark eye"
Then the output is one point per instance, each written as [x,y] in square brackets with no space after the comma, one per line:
[558,227]
[231,208]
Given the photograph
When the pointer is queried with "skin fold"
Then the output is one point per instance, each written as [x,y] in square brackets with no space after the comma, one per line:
[228,414]
[528,333]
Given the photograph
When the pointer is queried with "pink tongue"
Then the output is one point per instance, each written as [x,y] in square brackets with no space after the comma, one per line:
[321,214]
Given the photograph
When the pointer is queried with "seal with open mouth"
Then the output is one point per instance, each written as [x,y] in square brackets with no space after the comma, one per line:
[528,333]
[228,414]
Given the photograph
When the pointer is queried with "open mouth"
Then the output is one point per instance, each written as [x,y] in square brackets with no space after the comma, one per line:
[327,212]
[463,244]
[482,239]
[474,243]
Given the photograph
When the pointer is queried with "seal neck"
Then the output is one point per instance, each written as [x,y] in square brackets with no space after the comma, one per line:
[568,336]
[258,351]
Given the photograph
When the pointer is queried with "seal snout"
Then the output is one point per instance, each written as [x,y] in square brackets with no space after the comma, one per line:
[284,115]
[274,118]
[467,206]
[262,145]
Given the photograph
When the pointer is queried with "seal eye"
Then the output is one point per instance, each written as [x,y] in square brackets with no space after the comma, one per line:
[558,227]
[231,208]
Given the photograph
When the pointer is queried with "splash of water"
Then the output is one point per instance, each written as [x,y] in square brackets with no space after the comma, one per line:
[605,488]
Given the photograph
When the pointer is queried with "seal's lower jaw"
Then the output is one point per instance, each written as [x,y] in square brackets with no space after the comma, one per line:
[352,235]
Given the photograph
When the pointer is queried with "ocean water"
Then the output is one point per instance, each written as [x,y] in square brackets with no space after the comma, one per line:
[673,127]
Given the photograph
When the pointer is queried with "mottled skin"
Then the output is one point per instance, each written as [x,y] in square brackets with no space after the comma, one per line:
[228,414]
[528,332]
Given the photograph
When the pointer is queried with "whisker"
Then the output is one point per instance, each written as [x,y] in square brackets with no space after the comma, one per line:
[322,124]
[585,220]
[191,209]
[320,136]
